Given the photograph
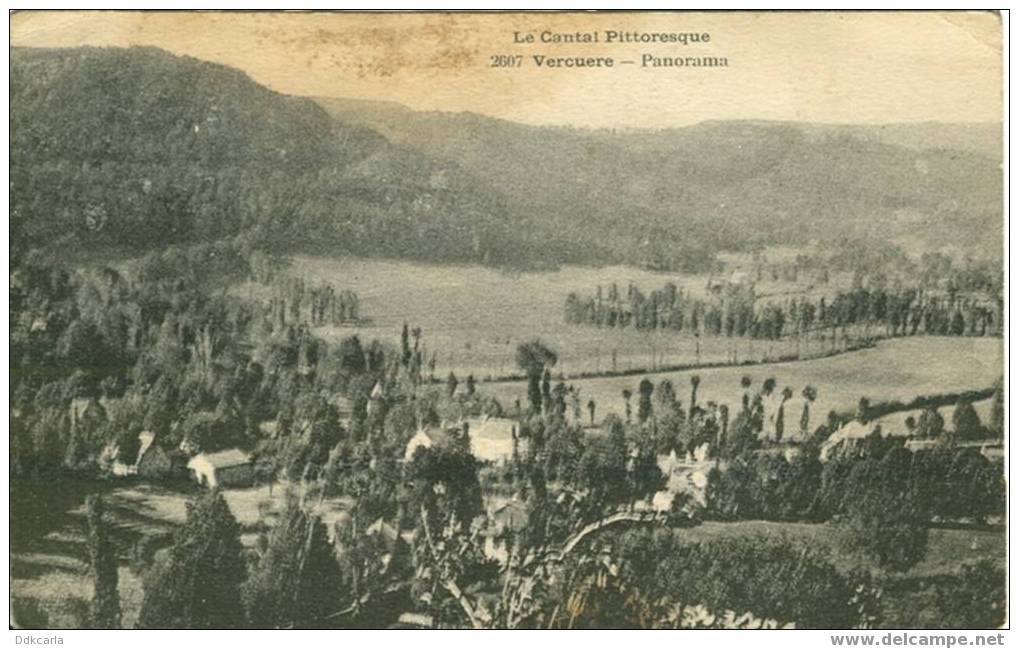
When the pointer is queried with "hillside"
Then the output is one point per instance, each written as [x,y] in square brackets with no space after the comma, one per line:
[723,184]
[138,148]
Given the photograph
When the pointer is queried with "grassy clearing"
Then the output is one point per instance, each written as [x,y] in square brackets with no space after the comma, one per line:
[900,369]
[473,317]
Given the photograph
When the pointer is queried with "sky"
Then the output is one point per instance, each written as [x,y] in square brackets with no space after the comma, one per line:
[833,67]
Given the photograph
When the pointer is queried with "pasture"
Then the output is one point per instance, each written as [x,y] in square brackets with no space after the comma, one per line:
[896,369]
[473,317]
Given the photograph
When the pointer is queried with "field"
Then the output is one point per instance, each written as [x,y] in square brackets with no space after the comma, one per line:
[49,575]
[897,369]
[473,317]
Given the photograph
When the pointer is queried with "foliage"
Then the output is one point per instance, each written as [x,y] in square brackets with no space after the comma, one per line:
[197,586]
[296,582]
[202,152]
[884,517]
[103,566]
[773,578]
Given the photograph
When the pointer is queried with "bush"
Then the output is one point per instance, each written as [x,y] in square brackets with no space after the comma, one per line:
[974,598]
[886,526]
[769,577]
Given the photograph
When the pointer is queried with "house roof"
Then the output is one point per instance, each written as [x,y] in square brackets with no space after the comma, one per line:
[145,440]
[224,459]
[344,406]
[511,515]
[383,529]
[377,390]
[425,437]
[500,427]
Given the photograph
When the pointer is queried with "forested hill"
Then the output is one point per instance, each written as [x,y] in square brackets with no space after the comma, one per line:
[724,184]
[138,148]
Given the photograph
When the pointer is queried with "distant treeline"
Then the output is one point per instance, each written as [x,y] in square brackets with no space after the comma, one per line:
[735,310]
[294,300]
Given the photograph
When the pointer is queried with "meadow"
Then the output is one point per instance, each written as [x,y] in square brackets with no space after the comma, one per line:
[473,317]
[895,369]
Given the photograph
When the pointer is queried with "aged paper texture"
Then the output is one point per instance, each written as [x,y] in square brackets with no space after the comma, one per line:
[506,320]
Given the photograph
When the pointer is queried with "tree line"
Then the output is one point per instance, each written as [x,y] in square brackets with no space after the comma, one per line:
[738,311]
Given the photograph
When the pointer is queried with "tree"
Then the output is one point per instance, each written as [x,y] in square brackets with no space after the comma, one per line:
[451,384]
[646,389]
[695,381]
[745,383]
[626,399]
[198,584]
[998,410]
[405,354]
[590,409]
[931,424]
[966,423]
[103,567]
[884,517]
[533,358]
[351,355]
[603,466]
[809,396]
[297,581]
[787,393]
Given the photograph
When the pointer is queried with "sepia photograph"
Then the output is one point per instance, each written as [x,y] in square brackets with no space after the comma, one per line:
[508,320]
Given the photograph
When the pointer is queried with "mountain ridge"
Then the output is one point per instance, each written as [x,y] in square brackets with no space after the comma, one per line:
[141,148]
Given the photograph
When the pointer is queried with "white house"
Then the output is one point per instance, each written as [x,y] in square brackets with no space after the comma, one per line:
[492,438]
[223,469]
[688,476]
[424,438]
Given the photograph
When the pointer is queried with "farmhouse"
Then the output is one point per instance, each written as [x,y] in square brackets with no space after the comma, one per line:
[850,432]
[223,469]
[689,476]
[344,409]
[426,438]
[150,462]
[991,449]
[495,439]
[397,545]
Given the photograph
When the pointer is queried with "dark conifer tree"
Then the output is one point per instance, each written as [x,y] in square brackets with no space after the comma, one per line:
[103,567]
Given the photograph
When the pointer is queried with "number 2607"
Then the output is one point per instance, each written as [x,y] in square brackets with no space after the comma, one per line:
[506,60]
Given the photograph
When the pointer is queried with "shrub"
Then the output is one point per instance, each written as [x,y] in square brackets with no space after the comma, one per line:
[886,526]
[769,577]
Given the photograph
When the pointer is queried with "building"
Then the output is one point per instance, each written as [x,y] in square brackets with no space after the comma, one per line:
[397,554]
[493,438]
[151,461]
[231,468]
[849,434]
[424,438]
[344,410]
[375,400]
[991,449]
[684,476]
